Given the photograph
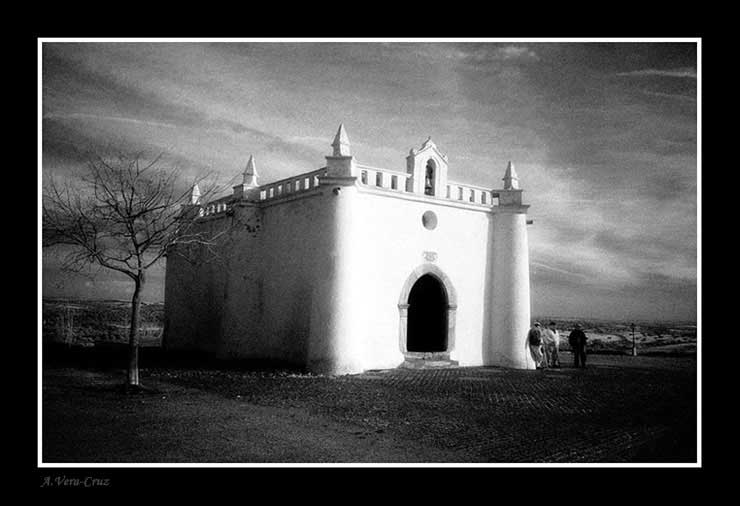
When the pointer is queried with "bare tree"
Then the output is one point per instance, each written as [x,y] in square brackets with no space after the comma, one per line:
[125,216]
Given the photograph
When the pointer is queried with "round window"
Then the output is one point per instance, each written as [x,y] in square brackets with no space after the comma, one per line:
[429,220]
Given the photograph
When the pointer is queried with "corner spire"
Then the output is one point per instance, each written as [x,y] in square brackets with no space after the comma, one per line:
[195,194]
[341,143]
[250,173]
[511,180]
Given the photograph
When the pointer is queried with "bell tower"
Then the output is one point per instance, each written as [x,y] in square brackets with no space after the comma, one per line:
[427,168]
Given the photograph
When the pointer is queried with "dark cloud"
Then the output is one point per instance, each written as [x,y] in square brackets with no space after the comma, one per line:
[670,185]
[69,142]
[608,129]
[68,145]
[655,296]
[669,285]
[587,59]
[64,77]
[63,143]
[566,230]
[645,245]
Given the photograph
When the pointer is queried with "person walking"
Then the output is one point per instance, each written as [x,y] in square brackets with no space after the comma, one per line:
[577,341]
[534,341]
[551,342]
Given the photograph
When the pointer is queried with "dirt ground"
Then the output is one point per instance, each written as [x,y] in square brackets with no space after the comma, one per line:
[619,409]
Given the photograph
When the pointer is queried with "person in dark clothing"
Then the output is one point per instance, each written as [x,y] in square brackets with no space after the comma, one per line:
[577,341]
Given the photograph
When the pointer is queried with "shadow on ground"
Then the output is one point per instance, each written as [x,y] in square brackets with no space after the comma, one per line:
[619,409]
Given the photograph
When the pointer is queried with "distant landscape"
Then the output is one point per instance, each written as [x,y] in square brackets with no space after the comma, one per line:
[91,322]
[615,336]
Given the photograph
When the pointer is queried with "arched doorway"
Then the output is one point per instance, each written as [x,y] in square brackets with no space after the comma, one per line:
[427,316]
[427,310]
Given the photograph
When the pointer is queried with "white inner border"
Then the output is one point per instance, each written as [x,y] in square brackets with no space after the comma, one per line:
[43,40]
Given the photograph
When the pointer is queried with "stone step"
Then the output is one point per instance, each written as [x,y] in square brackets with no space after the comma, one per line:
[415,363]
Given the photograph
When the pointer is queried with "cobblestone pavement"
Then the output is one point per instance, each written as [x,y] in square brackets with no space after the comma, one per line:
[619,409]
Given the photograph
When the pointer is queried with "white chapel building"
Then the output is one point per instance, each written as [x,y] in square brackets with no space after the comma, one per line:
[351,267]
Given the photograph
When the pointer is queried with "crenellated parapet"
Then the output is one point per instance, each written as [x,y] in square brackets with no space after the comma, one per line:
[426,176]
[291,186]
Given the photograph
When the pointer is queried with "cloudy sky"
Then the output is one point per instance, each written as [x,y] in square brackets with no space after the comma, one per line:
[603,137]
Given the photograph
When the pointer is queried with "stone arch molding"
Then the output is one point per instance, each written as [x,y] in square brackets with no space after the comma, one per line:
[436,272]
[403,303]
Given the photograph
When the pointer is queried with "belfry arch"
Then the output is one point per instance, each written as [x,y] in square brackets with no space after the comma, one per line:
[427,309]
[430,173]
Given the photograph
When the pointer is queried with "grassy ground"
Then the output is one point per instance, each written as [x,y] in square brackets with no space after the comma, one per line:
[619,409]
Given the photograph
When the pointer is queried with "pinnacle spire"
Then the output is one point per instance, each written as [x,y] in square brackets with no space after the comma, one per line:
[341,143]
[195,194]
[250,173]
[511,180]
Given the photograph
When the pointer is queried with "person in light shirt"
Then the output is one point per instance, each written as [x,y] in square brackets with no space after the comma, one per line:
[534,342]
[551,344]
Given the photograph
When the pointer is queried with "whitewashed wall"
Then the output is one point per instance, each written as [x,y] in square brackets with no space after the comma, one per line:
[393,243]
[318,283]
[194,294]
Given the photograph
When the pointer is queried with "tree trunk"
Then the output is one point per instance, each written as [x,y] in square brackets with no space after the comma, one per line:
[133,336]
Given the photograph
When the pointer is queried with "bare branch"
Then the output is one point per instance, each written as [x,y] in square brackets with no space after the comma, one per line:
[124,214]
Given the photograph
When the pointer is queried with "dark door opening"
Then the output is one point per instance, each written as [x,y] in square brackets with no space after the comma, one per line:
[427,316]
